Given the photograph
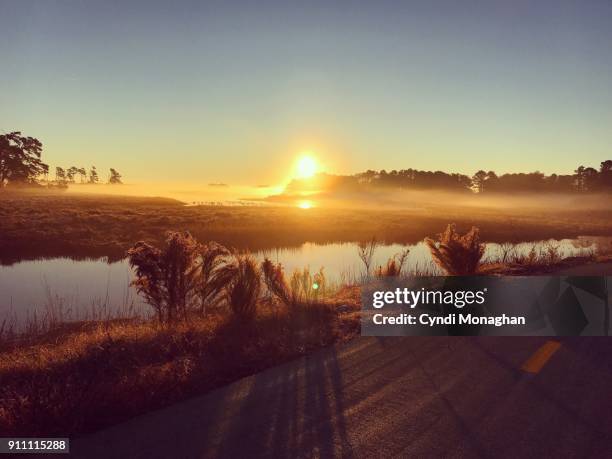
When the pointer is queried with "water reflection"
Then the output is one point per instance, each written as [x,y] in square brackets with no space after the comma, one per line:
[96,289]
[65,288]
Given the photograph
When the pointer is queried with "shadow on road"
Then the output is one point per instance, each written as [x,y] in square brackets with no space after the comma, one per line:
[297,412]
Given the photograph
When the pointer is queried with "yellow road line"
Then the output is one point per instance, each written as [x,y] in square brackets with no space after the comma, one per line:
[540,357]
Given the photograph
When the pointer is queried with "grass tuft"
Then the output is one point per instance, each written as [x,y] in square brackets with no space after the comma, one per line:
[456,254]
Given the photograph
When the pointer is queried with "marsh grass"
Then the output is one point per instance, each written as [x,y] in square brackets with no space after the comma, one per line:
[394,266]
[457,254]
[59,312]
[543,253]
[62,378]
[366,251]
[167,277]
[303,289]
[97,374]
[308,287]
[81,226]
[242,285]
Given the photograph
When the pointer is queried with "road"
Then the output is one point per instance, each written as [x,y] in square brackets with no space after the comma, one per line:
[394,397]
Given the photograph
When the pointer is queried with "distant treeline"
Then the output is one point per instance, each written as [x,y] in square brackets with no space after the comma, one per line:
[584,179]
[21,164]
[69,175]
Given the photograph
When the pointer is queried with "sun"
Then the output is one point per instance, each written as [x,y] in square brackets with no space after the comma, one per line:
[306,166]
[305,205]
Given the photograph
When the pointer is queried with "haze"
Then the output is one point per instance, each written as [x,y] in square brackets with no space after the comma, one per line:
[232,92]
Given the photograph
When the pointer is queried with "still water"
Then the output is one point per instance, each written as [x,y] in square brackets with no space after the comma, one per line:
[93,289]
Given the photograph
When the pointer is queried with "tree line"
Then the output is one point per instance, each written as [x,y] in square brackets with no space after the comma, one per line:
[584,179]
[21,164]
[69,175]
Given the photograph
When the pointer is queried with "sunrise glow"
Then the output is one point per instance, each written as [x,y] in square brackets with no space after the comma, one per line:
[305,204]
[306,166]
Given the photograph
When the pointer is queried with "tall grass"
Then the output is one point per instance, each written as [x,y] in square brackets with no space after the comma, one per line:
[242,285]
[57,313]
[213,257]
[166,277]
[304,287]
[308,287]
[394,265]
[457,254]
[88,378]
[275,282]
[365,251]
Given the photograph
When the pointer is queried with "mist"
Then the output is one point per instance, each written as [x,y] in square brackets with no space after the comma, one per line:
[432,199]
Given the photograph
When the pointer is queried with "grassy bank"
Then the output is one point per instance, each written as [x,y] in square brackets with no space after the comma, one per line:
[86,376]
[44,224]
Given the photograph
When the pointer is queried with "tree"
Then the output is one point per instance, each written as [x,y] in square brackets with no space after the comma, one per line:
[591,179]
[71,172]
[60,175]
[83,173]
[93,175]
[115,177]
[491,181]
[605,175]
[579,178]
[479,179]
[20,159]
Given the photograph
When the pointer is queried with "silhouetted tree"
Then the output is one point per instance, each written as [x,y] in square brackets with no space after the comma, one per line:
[60,175]
[404,179]
[83,173]
[93,175]
[590,179]
[20,159]
[605,175]
[479,179]
[71,172]
[115,177]
[584,179]
[579,178]
[491,180]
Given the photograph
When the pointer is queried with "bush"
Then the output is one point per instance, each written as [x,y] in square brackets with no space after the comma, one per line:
[456,254]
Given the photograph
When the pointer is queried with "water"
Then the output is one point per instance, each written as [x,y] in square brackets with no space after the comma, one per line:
[96,289]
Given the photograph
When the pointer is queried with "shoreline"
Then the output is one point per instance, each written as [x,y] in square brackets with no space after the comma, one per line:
[90,226]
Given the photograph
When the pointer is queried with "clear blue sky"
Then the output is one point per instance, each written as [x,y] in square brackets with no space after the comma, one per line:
[233,91]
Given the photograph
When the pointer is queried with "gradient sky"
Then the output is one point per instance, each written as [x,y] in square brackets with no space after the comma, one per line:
[232,91]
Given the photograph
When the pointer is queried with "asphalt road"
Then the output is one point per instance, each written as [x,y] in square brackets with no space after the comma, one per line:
[394,397]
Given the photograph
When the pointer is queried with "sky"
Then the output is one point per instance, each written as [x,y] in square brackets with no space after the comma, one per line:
[234,91]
